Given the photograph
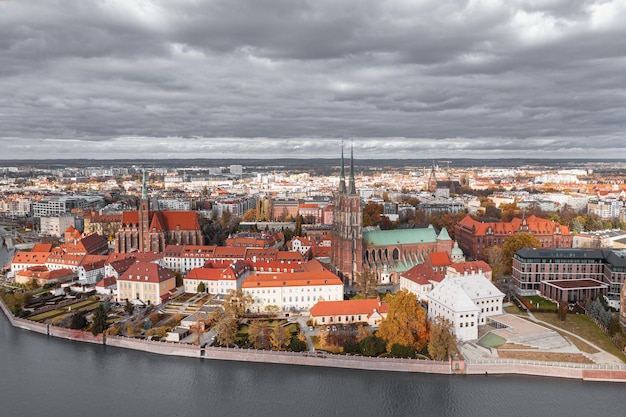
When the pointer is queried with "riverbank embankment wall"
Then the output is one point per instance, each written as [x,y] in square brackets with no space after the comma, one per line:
[558,370]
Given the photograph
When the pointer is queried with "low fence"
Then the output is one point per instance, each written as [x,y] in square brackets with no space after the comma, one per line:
[612,373]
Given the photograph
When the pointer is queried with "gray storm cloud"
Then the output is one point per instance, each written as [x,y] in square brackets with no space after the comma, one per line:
[284,78]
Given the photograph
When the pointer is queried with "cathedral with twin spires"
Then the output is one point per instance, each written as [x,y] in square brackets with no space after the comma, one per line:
[347,231]
[388,253]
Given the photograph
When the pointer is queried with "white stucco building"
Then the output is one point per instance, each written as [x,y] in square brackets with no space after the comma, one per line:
[292,290]
[466,301]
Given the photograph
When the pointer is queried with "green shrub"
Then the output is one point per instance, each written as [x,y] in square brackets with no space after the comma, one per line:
[372,346]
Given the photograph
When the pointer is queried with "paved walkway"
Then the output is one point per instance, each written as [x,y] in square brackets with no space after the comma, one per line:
[602,357]
[307,333]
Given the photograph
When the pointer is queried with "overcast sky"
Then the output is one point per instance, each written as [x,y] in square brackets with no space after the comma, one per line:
[288,78]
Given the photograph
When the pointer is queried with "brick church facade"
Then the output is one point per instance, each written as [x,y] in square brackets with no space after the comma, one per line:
[386,252]
[475,237]
[347,229]
[151,231]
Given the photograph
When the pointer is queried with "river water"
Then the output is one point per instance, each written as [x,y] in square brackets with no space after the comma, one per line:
[42,376]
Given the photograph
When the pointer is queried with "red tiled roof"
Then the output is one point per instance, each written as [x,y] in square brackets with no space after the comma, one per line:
[121,265]
[30,257]
[470,266]
[535,225]
[295,279]
[168,220]
[290,256]
[41,272]
[440,259]
[42,247]
[146,272]
[422,275]
[106,282]
[348,307]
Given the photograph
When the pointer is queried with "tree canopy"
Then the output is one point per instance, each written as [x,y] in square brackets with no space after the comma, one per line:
[366,283]
[442,342]
[406,322]
[516,242]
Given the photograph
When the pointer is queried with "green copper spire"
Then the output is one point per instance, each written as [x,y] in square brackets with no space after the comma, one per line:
[351,186]
[144,188]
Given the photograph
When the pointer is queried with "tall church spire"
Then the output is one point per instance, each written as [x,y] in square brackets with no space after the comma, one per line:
[144,188]
[351,186]
[342,175]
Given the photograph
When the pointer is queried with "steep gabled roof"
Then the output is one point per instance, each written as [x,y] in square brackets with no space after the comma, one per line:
[440,259]
[399,236]
[146,272]
[422,275]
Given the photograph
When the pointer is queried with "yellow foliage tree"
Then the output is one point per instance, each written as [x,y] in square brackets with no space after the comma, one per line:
[406,322]
[280,337]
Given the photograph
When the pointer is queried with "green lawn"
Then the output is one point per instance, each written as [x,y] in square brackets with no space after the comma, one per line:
[543,303]
[86,305]
[581,325]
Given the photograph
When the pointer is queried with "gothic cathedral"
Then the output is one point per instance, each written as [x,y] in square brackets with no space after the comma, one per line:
[347,230]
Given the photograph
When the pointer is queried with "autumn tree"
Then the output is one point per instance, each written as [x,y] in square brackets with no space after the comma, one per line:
[236,303]
[255,334]
[226,219]
[405,323]
[495,259]
[442,341]
[280,337]
[509,211]
[372,213]
[362,332]
[297,231]
[249,216]
[323,338]
[366,283]
[15,301]
[514,243]
[226,330]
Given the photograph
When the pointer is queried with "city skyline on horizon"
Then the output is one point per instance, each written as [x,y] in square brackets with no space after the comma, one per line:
[281,79]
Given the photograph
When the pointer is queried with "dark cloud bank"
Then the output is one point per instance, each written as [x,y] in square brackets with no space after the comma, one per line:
[287,78]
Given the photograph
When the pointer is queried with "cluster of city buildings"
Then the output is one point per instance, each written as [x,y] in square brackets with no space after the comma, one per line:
[138,255]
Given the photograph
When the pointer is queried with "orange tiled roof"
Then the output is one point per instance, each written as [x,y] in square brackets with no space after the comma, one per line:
[289,279]
[41,272]
[30,257]
[471,266]
[290,256]
[348,307]
[168,220]
[42,247]
[440,259]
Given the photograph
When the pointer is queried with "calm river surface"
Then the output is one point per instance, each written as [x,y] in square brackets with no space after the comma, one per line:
[41,376]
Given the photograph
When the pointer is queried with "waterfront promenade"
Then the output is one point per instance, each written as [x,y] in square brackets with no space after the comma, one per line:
[615,373]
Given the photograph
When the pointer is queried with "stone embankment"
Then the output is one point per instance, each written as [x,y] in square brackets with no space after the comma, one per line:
[615,373]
